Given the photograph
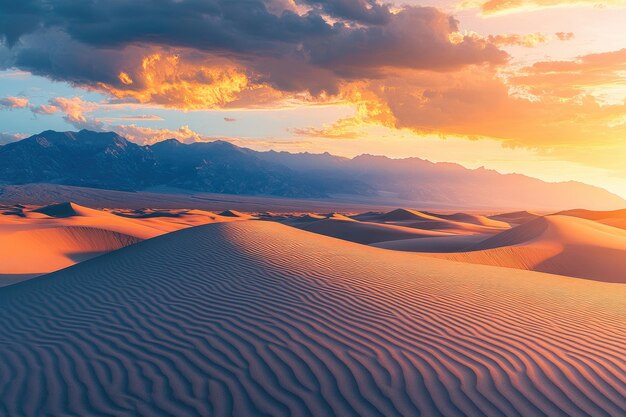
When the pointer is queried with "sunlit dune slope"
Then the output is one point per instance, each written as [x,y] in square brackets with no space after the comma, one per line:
[71,214]
[38,251]
[260,319]
[365,232]
[615,218]
[556,244]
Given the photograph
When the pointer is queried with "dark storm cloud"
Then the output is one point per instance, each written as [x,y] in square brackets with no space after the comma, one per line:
[89,42]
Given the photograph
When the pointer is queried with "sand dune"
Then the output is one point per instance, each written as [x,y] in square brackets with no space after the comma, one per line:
[406,214]
[475,219]
[615,218]
[38,251]
[235,213]
[259,319]
[555,244]
[67,209]
[516,217]
[454,227]
[453,243]
[594,215]
[42,240]
[459,223]
[70,214]
[339,216]
[365,232]
[309,217]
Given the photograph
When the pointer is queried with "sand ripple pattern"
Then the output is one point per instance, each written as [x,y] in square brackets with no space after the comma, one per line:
[259,319]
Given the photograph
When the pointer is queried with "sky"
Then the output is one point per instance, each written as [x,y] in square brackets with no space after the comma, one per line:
[536,87]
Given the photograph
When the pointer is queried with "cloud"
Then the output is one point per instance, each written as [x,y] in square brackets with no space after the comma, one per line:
[209,54]
[491,7]
[144,117]
[172,81]
[570,79]
[75,109]
[565,36]
[13,103]
[529,40]
[45,109]
[148,136]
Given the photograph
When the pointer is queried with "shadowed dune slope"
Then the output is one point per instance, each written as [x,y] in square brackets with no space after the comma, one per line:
[259,319]
[67,209]
[365,232]
[453,243]
[516,217]
[455,227]
[555,244]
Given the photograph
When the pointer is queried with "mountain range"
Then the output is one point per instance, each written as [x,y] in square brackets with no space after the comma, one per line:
[108,161]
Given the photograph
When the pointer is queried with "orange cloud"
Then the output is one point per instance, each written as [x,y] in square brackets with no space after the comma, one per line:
[148,136]
[45,109]
[369,110]
[570,79]
[75,109]
[529,40]
[13,103]
[171,81]
[550,107]
[565,36]
[491,7]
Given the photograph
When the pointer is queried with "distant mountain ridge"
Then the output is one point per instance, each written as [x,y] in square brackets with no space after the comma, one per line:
[107,160]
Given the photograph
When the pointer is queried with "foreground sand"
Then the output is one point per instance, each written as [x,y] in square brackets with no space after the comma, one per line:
[260,319]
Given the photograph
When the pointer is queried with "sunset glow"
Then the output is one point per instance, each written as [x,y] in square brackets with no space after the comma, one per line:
[545,81]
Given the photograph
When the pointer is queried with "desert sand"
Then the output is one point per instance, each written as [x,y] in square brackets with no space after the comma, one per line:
[36,241]
[458,223]
[557,244]
[365,232]
[615,218]
[257,318]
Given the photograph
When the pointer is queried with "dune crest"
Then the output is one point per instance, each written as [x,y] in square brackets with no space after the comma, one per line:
[263,319]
